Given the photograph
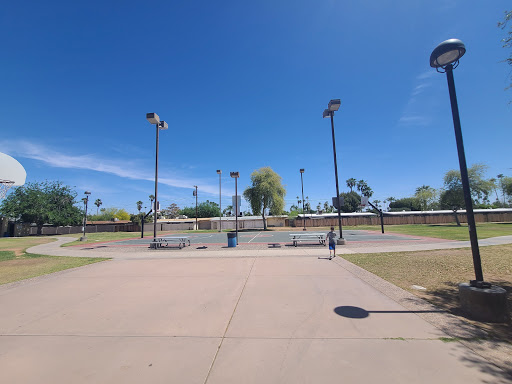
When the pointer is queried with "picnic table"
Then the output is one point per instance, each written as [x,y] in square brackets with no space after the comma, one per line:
[160,242]
[308,236]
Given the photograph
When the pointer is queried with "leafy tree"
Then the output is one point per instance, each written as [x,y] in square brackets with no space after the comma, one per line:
[480,187]
[327,208]
[364,188]
[204,209]
[351,201]
[405,204]
[48,202]
[452,199]
[109,214]
[266,192]
[351,183]
[172,211]
[319,207]
[507,41]
[227,211]
[98,203]
[427,197]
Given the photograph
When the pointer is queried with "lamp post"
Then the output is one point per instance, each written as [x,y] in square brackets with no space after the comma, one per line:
[302,187]
[333,106]
[154,119]
[194,193]
[86,201]
[219,172]
[236,175]
[444,58]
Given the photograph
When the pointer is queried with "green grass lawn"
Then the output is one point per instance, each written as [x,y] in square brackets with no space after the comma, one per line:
[444,231]
[16,264]
[440,272]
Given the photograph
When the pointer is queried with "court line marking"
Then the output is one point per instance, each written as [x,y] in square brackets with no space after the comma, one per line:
[254,237]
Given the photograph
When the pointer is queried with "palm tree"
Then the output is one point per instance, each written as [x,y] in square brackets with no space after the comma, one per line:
[501,176]
[139,205]
[97,203]
[351,183]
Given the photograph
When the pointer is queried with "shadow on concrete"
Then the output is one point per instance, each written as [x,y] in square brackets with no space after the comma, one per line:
[360,313]
[447,297]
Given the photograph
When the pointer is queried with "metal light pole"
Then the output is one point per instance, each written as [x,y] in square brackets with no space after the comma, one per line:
[219,172]
[236,175]
[154,119]
[333,106]
[195,194]
[302,187]
[446,57]
[86,201]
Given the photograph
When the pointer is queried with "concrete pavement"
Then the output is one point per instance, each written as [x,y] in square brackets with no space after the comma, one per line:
[191,317]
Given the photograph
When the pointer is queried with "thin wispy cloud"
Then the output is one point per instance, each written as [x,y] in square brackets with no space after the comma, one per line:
[121,168]
[413,113]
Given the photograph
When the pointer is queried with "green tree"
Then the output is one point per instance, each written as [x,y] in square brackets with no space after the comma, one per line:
[452,199]
[351,201]
[173,210]
[507,41]
[204,209]
[405,204]
[110,214]
[266,192]
[480,187]
[427,197]
[351,183]
[98,203]
[47,202]
[364,188]
[139,205]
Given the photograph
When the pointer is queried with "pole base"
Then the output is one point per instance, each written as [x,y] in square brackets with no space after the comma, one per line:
[484,304]
[83,238]
[304,229]
[341,241]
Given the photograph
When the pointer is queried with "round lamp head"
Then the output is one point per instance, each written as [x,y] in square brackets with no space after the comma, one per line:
[448,52]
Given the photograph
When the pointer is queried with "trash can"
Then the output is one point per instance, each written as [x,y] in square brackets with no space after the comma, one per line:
[231,239]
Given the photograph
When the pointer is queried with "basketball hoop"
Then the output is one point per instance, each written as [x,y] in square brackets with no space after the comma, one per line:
[5,185]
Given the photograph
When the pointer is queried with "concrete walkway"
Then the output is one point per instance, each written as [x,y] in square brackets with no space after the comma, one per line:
[167,317]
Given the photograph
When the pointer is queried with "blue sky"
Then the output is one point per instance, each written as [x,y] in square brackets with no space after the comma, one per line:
[243,85]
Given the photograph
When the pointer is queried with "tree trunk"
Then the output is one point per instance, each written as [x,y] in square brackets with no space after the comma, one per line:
[264,221]
[456,218]
[39,229]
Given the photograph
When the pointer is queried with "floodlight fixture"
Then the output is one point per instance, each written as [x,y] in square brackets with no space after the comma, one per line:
[234,174]
[219,171]
[163,125]
[302,170]
[448,52]
[87,193]
[152,118]
[334,105]
[326,113]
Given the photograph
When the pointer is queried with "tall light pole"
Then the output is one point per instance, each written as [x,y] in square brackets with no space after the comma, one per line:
[333,106]
[444,58]
[236,175]
[86,201]
[194,193]
[302,187]
[219,172]
[154,119]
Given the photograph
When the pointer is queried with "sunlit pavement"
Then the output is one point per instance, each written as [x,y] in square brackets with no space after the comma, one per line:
[243,319]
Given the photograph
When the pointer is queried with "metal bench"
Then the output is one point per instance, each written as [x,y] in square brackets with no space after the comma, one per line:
[311,236]
[180,240]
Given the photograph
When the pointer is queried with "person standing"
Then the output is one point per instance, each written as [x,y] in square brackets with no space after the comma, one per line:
[331,237]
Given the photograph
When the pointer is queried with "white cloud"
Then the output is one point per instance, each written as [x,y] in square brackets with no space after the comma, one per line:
[125,169]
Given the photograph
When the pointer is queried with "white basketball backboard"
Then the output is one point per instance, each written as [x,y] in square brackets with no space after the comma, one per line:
[11,170]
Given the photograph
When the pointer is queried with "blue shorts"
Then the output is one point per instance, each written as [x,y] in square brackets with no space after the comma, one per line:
[332,246]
